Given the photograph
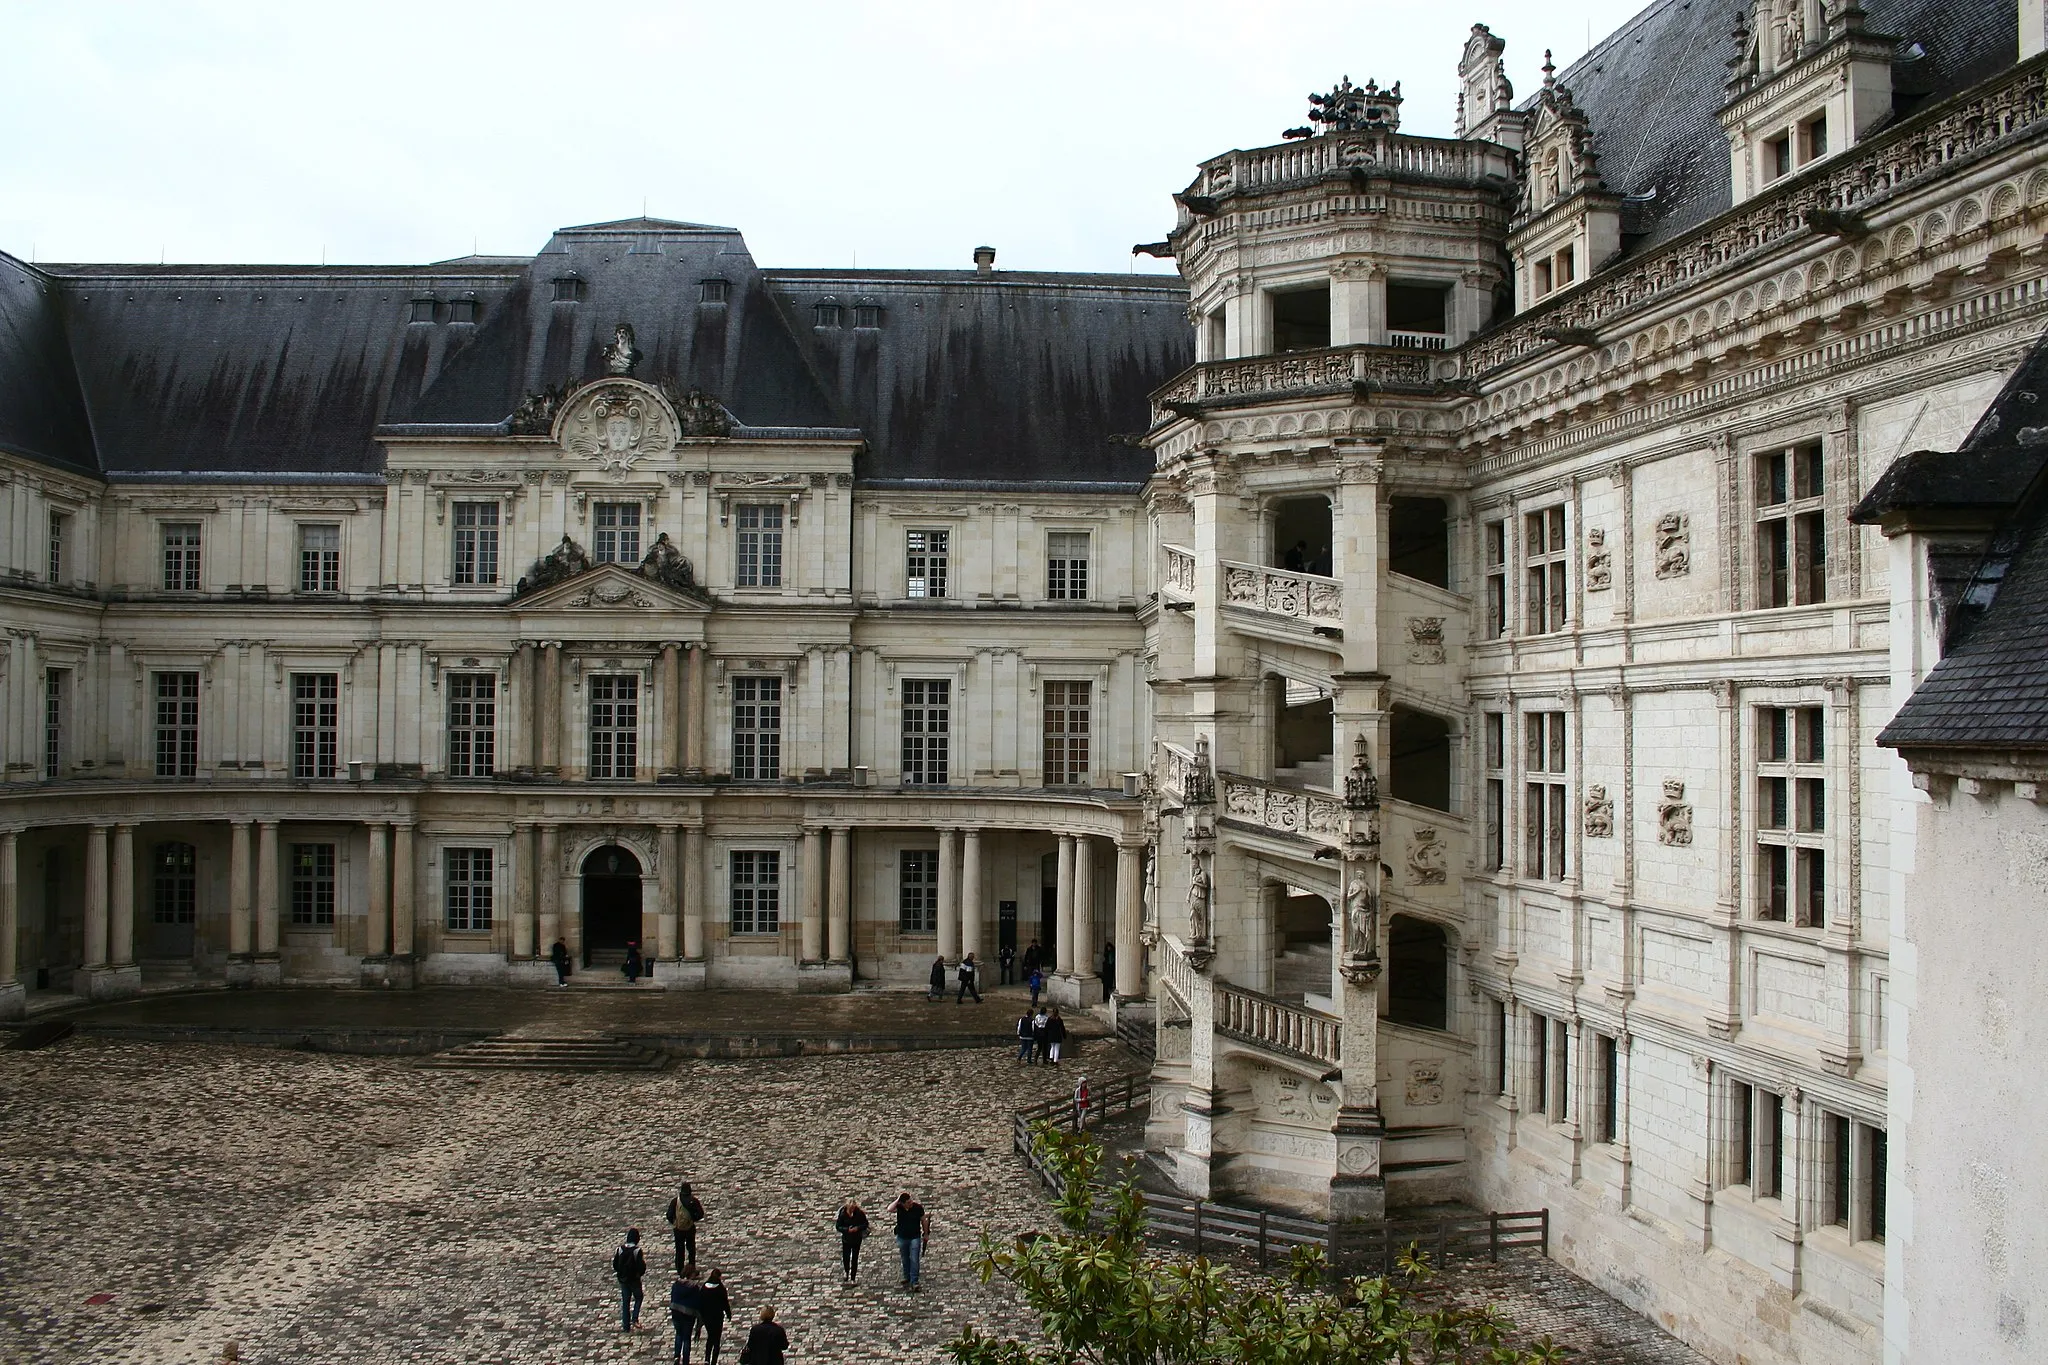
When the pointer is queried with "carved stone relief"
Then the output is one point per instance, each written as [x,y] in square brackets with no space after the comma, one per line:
[1426,1081]
[1599,562]
[1674,557]
[1674,815]
[1292,1097]
[1428,859]
[1599,813]
[1425,639]
[616,426]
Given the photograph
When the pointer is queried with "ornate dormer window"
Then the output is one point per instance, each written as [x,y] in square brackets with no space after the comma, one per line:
[1806,81]
[1568,222]
[827,311]
[1485,99]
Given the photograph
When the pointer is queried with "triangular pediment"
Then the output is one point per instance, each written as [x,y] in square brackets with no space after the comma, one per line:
[612,588]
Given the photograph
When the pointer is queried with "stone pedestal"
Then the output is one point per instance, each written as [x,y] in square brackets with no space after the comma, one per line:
[395,972]
[1358,1191]
[266,969]
[681,975]
[530,972]
[824,978]
[100,983]
[13,1000]
[1074,991]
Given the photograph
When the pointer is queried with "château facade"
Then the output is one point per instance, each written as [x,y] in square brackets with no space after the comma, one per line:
[1428,643]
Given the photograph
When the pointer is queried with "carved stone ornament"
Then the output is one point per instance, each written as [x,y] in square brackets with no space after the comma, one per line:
[1599,813]
[1599,562]
[1674,816]
[1294,1097]
[558,565]
[1361,784]
[665,564]
[622,355]
[1199,786]
[616,426]
[535,415]
[1428,858]
[1674,557]
[1425,1082]
[609,594]
[699,413]
[1425,640]
[1198,901]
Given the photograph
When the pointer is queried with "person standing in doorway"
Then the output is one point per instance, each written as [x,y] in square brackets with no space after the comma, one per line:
[1108,969]
[559,956]
[1006,960]
[685,1296]
[629,1266]
[969,985]
[684,1213]
[1024,1037]
[913,1224]
[767,1342]
[938,980]
[852,1223]
[634,963]
[1055,1034]
[714,1309]
[1033,957]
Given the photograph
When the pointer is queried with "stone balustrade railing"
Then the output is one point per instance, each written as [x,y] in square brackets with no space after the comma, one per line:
[1171,962]
[1296,373]
[1265,1022]
[1373,152]
[1420,341]
[1307,596]
[1284,810]
[1179,573]
[1175,763]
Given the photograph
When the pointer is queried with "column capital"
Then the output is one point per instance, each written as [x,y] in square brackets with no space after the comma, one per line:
[269,824]
[668,828]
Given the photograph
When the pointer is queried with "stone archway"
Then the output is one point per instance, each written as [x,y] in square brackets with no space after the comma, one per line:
[611,905]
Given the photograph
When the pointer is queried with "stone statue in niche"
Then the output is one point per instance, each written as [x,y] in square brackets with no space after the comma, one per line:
[1198,902]
[622,355]
[1599,813]
[665,564]
[1428,860]
[1361,917]
[1425,639]
[1674,815]
[1599,562]
[1674,558]
[558,565]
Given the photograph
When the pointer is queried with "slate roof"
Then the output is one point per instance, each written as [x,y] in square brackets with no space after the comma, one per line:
[42,412]
[1990,689]
[1652,89]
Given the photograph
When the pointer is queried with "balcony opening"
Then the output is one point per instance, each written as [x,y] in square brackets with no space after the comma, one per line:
[1419,539]
[1420,759]
[1418,315]
[1302,728]
[1301,318]
[1418,973]
[1301,535]
[1217,336]
[1301,948]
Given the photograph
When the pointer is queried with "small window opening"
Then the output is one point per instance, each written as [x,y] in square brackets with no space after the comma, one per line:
[713,291]
[828,313]
[1419,539]
[1416,315]
[1302,735]
[1301,319]
[1301,535]
[867,315]
[568,289]
[1418,973]
[1778,156]
[1542,278]
[1420,761]
[462,310]
[423,310]
[1813,137]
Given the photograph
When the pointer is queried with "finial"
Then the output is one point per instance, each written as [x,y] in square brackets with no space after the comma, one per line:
[1549,71]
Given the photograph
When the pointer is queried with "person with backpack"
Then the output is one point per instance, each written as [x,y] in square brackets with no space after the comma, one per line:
[1040,1022]
[684,1213]
[913,1225]
[1024,1038]
[685,1297]
[1055,1034]
[1037,979]
[968,984]
[559,956]
[629,1265]
[714,1309]
[767,1342]
[938,980]
[852,1224]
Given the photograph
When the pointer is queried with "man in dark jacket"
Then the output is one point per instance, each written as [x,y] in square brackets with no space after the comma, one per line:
[685,1211]
[969,981]
[714,1309]
[938,980]
[1006,958]
[559,956]
[1033,957]
[912,1226]
[629,1264]
[767,1342]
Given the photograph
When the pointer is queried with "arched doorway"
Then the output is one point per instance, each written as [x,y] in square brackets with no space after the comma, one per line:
[611,905]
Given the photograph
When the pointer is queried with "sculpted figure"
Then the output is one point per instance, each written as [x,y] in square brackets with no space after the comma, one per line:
[1361,927]
[1198,903]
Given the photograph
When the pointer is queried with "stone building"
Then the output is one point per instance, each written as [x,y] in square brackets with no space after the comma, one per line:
[1430,639]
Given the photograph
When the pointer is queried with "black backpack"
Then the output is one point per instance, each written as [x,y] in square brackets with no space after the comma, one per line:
[627,1262]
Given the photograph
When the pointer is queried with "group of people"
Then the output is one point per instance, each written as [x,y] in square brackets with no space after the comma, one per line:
[969,973]
[1040,1032]
[912,1225]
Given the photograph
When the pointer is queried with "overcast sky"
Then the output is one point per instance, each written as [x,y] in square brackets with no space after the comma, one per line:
[880,132]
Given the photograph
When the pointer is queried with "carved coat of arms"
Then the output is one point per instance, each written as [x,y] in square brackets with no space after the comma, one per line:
[616,426]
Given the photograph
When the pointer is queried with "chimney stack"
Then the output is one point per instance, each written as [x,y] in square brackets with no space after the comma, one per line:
[984,260]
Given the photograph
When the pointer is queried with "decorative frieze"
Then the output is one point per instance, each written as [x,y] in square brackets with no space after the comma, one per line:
[1284,593]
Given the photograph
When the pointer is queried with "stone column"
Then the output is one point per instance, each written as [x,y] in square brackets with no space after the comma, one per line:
[121,940]
[550,717]
[970,893]
[693,893]
[841,936]
[238,890]
[13,998]
[949,899]
[96,897]
[378,942]
[1130,914]
[1063,910]
[670,893]
[810,928]
[266,887]
[671,695]
[519,738]
[401,892]
[547,878]
[1085,960]
[694,719]
[523,888]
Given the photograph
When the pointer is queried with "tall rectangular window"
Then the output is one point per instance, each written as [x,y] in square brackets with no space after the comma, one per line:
[757,729]
[177,725]
[1500,1047]
[181,556]
[1546,564]
[927,727]
[1066,566]
[757,545]
[1539,1063]
[472,724]
[56,682]
[1496,848]
[1757,1150]
[1496,556]
[60,537]
[476,543]
[918,901]
[468,889]
[320,558]
[1791,527]
[312,874]
[1607,1088]
[1851,1176]
[316,724]
[615,535]
[1066,733]
[174,884]
[925,556]
[1545,819]
[614,725]
[1791,815]
[756,891]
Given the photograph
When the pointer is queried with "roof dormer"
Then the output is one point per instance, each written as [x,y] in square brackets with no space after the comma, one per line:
[1568,222]
[1485,99]
[1806,82]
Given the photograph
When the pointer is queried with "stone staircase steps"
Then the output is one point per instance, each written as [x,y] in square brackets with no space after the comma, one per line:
[547,1054]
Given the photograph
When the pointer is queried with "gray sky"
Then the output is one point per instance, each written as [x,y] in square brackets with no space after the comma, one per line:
[887,132]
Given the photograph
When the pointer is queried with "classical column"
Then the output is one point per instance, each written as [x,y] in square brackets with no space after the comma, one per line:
[401,892]
[121,941]
[238,889]
[266,886]
[550,717]
[10,906]
[1085,959]
[378,942]
[693,729]
[841,936]
[671,697]
[693,892]
[949,899]
[548,879]
[670,893]
[1130,915]
[96,897]
[813,911]
[522,891]
[1063,910]
[970,892]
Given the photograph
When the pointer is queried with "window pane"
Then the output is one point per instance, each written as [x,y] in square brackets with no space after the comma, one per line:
[312,884]
[919,904]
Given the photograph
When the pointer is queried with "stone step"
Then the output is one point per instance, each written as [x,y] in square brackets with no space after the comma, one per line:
[547,1054]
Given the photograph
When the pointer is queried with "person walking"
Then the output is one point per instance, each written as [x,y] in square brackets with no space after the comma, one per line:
[1081,1098]
[913,1225]
[634,964]
[685,1296]
[685,1211]
[1040,1021]
[1037,985]
[714,1309]
[1024,1040]
[969,984]
[852,1223]
[559,956]
[1006,959]
[1108,969]
[767,1342]
[629,1265]
[1033,956]
[938,980]
[1055,1034]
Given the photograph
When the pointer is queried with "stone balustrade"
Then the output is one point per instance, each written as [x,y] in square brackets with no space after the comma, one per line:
[1332,370]
[1178,577]
[1372,151]
[1305,596]
[1178,974]
[1265,1022]
[1284,810]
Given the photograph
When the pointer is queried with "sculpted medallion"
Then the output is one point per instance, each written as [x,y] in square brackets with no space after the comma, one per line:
[616,425]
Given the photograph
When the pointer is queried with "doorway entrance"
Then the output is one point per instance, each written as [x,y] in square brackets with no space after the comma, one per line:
[173,901]
[611,906]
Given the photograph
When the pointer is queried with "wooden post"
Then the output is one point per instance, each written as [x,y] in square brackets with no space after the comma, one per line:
[1198,1227]
[1493,1237]
[1262,1239]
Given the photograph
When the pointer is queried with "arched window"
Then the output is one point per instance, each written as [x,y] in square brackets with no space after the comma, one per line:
[1418,973]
